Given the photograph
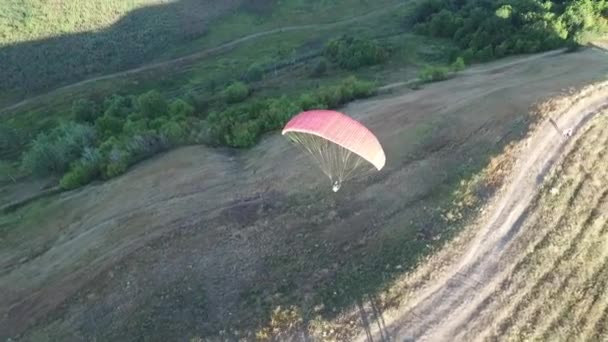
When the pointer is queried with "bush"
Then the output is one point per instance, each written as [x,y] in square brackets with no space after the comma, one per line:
[254,73]
[236,92]
[83,171]
[152,104]
[109,125]
[135,126]
[491,29]
[433,74]
[458,64]
[85,111]
[180,109]
[118,106]
[353,53]
[243,134]
[174,132]
[309,101]
[53,153]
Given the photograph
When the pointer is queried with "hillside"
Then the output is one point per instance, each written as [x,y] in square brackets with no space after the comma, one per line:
[146,193]
[231,235]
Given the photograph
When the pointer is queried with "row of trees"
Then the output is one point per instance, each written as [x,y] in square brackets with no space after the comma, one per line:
[486,30]
[103,139]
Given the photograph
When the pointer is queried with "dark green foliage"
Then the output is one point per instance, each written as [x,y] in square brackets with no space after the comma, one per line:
[118,106]
[85,111]
[241,126]
[236,92]
[180,109]
[254,73]
[353,53]
[243,134]
[152,104]
[485,30]
[53,153]
[109,125]
[133,128]
[174,132]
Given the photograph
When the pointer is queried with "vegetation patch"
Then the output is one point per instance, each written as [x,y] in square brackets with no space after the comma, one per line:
[487,30]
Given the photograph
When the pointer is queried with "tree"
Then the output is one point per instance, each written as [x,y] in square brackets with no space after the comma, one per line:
[152,104]
[236,92]
[85,111]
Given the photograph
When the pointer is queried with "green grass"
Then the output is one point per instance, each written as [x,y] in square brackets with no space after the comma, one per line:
[109,36]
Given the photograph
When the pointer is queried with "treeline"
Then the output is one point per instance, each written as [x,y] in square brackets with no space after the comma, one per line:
[103,139]
[487,29]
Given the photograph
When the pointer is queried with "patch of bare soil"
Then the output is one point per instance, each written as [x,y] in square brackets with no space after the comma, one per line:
[199,241]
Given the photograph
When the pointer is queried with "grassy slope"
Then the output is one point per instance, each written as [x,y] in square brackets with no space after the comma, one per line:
[275,239]
[106,37]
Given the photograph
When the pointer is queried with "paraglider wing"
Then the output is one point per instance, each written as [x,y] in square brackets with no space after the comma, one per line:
[338,142]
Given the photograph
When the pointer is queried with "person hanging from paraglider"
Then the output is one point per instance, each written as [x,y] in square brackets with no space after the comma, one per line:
[341,146]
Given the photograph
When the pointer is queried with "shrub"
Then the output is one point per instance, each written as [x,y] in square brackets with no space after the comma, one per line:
[52,153]
[118,106]
[180,109]
[152,104]
[83,171]
[308,101]
[135,126]
[117,164]
[354,53]
[109,125]
[458,64]
[243,134]
[278,112]
[236,92]
[174,132]
[254,73]
[85,111]
[433,74]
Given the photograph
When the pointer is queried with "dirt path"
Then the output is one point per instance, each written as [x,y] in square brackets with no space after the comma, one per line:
[202,54]
[443,308]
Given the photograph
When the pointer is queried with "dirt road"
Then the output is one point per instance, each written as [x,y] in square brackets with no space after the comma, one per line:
[443,308]
[202,54]
[199,241]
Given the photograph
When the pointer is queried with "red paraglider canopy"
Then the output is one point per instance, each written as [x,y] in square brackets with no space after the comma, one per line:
[341,130]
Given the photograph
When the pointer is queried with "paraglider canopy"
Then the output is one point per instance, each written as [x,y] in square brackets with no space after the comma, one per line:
[342,146]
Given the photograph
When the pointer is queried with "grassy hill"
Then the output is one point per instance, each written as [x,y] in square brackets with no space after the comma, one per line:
[234,231]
